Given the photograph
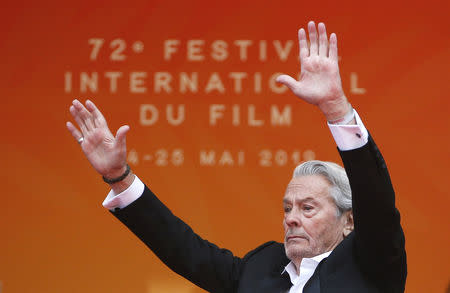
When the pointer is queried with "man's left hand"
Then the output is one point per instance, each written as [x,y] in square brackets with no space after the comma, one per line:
[320,83]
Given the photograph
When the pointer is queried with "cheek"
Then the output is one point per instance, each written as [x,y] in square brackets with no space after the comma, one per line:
[315,227]
[285,226]
[327,229]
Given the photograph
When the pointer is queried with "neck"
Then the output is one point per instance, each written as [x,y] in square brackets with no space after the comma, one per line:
[297,266]
[298,261]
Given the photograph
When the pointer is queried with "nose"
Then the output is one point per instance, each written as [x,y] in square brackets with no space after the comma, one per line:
[292,220]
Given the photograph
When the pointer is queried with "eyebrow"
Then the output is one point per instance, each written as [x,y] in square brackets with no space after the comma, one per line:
[308,199]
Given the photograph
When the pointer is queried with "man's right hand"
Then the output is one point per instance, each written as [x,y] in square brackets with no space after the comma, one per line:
[106,153]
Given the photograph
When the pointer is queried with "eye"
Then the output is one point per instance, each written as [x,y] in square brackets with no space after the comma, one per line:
[308,208]
[287,209]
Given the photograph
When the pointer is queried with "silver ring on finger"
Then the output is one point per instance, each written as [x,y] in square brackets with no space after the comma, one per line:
[80,140]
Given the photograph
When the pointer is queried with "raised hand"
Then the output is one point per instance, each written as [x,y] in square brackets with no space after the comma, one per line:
[320,82]
[106,153]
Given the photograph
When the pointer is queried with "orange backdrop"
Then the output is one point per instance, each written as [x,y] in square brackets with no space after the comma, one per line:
[225,177]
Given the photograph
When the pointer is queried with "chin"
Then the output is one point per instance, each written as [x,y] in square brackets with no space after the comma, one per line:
[299,251]
[296,251]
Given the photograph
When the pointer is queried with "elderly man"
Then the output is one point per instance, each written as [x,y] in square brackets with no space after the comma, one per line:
[334,242]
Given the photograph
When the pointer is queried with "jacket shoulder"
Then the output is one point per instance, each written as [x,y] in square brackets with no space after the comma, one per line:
[269,255]
[262,269]
[266,248]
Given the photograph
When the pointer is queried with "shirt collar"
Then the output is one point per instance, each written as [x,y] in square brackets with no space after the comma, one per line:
[313,261]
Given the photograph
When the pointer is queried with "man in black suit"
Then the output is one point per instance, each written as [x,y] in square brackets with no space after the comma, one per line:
[341,234]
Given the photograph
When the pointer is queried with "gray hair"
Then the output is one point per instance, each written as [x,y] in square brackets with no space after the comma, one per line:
[340,187]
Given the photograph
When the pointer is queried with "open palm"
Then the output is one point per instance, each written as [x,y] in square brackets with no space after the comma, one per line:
[106,153]
[319,83]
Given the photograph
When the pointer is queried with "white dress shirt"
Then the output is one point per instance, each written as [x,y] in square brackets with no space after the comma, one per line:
[307,268]
[347,137]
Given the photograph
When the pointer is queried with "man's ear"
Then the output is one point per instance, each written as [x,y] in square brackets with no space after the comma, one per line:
[348,224]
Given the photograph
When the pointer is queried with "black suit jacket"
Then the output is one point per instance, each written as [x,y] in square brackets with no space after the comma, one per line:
[371,259]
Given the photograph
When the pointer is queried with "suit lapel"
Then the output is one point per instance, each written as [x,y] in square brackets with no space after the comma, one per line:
[314,283]
[282,282]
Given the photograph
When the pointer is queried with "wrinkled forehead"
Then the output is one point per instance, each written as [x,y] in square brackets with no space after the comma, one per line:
[310,186]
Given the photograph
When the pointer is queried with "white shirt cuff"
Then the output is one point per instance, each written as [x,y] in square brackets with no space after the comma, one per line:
[123,199]
[350,137]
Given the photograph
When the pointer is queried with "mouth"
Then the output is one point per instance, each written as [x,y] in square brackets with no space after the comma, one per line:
[295,238]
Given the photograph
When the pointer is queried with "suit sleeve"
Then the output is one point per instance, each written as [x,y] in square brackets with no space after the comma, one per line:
[380,244]
[174,242]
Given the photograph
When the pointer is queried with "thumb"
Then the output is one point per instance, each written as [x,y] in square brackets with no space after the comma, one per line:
[121,135]
[288,81]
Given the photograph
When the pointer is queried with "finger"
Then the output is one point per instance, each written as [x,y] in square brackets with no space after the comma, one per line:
[313,47]
[333,47]
[98,118]
[74,131]
[288,81]
[121,135]
[80,122]
[84,114]
[303,44]
[323,40]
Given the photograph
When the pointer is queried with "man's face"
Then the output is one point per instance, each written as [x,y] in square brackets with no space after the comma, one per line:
[311,223]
